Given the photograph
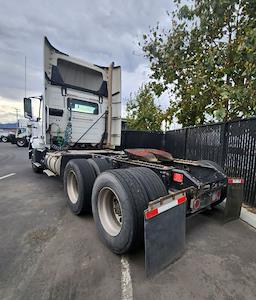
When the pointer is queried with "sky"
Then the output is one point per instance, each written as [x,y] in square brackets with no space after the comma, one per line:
[96,31]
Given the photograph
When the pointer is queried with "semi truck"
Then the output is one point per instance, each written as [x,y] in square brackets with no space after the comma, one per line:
[130,192]
[22,134]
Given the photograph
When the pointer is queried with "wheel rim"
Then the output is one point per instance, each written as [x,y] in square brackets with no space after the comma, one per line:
[110,211]
[4,139]
[72,187]
[20,143]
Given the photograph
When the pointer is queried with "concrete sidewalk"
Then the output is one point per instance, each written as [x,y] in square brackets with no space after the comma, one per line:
[248,217]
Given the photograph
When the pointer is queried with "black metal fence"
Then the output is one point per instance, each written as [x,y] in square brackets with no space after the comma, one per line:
[202,142]
[232,145]
[142,139]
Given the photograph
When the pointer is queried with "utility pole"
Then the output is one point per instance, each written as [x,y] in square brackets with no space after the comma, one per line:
[17,116]
[25,76]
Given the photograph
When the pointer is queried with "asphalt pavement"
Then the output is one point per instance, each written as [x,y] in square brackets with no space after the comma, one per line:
[48,253]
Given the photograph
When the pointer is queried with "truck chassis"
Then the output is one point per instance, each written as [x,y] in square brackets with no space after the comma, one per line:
[104,181]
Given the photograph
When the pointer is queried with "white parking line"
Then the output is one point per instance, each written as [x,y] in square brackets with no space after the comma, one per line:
[8,175]
[126,281]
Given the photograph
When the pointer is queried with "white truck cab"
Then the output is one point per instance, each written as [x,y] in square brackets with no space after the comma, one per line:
[23,132]
[81,103]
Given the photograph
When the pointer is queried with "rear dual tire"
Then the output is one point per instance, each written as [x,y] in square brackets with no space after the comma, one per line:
[119,198]
[100,164]
[79,177]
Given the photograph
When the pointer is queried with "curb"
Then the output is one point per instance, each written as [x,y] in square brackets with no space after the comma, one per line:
[248,217]
[245,215]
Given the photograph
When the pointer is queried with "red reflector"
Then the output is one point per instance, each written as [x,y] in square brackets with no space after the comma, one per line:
[235,180]
[177,177]
[151,213]
[196,203]
[181,199]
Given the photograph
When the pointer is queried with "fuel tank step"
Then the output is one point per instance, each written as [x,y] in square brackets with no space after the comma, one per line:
[49,173]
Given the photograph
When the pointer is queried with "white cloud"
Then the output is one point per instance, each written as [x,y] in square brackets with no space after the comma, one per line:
[9,110]
[97,31]
[131,82]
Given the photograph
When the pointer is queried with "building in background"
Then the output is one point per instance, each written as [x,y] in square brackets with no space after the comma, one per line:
[8,127]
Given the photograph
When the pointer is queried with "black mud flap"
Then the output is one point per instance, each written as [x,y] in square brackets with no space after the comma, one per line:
[164,231]
[235,195]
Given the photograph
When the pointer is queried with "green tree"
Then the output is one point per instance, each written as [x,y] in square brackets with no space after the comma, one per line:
[207,59]
[142,112]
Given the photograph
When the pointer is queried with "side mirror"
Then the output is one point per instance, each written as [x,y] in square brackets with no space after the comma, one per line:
[27,108]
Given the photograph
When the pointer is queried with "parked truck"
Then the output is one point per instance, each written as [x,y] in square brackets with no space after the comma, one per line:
[26,129]
[22,134]
[124,189]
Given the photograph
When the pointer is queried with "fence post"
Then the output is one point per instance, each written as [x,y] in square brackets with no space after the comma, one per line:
[225,142]
[185,144]
[163,140]
[123,139]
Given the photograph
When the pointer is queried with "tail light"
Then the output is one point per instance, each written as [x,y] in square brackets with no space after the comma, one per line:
[177,177]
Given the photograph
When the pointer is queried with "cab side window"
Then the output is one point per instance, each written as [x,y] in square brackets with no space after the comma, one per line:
[83,106]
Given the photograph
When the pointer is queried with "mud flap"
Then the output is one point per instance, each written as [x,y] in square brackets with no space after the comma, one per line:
[235,192]
[164,231]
